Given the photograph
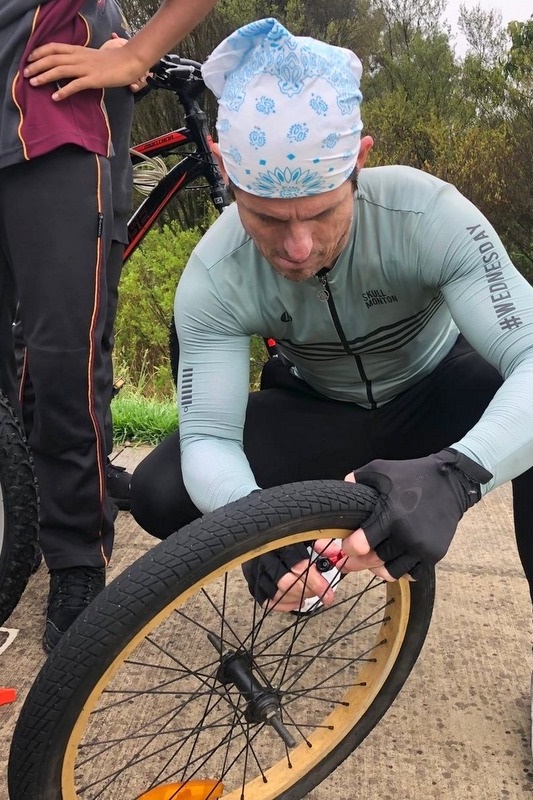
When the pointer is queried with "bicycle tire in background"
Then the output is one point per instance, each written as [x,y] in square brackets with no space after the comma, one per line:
[66,745]
[18,511]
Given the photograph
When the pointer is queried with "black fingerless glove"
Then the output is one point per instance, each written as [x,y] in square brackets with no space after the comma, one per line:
[263,573]
[421,502]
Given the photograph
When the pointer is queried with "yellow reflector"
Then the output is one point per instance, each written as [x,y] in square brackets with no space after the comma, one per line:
[192,790]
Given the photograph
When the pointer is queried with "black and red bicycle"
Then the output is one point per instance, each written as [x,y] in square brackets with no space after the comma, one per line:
[151,176]
[183,77]
[174,684]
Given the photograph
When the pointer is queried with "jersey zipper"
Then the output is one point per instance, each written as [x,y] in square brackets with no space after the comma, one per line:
[344,341]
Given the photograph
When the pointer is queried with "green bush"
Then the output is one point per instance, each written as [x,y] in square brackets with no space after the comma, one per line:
[146,299]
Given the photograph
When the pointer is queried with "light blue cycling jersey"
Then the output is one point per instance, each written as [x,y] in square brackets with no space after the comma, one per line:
[421,263]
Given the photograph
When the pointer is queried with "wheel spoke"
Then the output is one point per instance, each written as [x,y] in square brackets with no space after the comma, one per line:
[214,688]
[185,745]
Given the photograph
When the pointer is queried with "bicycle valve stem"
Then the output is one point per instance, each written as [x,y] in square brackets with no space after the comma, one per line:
[325,563]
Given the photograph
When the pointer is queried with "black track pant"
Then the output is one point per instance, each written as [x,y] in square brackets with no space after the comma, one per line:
[113,271]
[293,434]
[55,236]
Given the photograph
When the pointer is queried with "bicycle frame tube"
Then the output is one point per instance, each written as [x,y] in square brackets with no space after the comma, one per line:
[196,164]
[161,144]
[200,163]
[190,168]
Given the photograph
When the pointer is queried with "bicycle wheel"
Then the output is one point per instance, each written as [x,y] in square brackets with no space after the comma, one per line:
[18,511]
[175,684]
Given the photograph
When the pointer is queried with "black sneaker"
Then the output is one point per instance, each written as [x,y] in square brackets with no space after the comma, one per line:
[118,486]
[71,591]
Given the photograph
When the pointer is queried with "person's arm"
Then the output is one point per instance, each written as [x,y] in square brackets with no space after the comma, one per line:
[422,500]
[140,85]
[86,68]
[492,305]
[459,253]
[213,386]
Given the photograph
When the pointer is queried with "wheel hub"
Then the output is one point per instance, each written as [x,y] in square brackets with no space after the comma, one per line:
[263,702]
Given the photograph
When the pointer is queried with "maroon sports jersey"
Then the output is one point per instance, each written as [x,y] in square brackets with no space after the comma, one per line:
[32,124]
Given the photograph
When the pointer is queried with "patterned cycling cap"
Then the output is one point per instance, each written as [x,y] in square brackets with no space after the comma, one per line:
[289,123]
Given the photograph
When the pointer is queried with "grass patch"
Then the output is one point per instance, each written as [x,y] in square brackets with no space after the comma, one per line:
[143,420]
[145,410]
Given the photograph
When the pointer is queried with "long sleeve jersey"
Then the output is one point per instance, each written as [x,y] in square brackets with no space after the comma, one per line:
[421,264]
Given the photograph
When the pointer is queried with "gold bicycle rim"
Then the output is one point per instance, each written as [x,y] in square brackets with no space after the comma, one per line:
[371,678]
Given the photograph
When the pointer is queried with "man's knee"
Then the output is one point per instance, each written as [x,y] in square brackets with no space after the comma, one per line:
[159,501]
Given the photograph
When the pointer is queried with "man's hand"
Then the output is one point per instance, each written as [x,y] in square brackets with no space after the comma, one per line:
[361,556]
[284,579]
[421,503]
[301,583]
[82,67]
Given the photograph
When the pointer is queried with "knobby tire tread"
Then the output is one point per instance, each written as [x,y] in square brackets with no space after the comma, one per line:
[19,489]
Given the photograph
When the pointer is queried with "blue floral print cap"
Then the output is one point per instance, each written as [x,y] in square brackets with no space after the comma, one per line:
[289,123]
